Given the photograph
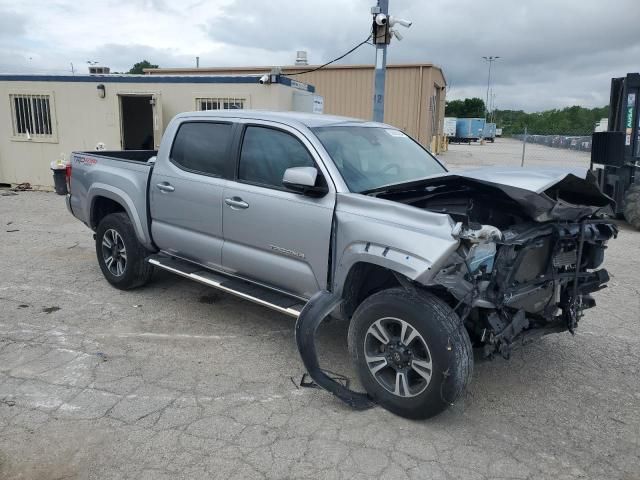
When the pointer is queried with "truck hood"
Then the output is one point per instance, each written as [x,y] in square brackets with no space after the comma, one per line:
[533,180]
[544,194]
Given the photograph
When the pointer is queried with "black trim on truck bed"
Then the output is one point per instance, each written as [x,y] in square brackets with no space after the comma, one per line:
[128,155]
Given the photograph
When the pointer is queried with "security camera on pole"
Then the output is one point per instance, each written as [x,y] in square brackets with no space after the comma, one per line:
[383,30]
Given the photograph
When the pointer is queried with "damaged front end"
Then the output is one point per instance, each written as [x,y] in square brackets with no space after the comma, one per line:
[529,256]
[525,280]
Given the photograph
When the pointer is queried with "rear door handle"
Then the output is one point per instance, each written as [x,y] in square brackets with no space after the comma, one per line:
[165,187]
[236,203]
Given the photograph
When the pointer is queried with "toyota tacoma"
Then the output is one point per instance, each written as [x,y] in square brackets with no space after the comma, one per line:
[317,216]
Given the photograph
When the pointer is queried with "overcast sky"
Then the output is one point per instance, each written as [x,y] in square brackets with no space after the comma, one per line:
[555,53]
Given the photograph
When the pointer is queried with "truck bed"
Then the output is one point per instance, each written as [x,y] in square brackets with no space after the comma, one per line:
[112,176]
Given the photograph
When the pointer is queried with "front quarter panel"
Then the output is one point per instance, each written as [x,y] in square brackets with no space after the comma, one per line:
[405,239]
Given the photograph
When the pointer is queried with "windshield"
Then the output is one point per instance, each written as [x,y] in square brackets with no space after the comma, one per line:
[372,157]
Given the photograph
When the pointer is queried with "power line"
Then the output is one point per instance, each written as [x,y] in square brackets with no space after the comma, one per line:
[366,40]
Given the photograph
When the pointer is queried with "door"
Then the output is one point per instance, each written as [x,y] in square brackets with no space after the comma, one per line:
[137,122]
[158,121]
[186,191]
[272,235]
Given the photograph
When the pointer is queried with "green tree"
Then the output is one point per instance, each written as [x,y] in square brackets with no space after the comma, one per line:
[138,67]
[467,108]
[574,120]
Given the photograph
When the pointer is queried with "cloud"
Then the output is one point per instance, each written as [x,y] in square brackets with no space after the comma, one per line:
[12,24]
[280,26]
[553,54]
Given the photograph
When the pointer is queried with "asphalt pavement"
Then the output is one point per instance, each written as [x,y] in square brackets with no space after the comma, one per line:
[176,380]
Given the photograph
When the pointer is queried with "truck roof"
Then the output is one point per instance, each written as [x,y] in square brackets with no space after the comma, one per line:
[309,120]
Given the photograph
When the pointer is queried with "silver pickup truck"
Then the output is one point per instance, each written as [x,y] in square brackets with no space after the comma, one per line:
[316,215]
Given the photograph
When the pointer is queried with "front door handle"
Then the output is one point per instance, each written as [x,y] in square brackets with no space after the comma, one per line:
[236,203]
[165,187]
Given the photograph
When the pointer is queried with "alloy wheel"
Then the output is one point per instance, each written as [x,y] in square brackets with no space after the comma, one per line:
[398,357]
[114,252]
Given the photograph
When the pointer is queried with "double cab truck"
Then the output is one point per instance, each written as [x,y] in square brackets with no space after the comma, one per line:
[317,216]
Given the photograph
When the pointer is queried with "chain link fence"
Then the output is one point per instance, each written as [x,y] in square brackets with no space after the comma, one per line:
[537,149]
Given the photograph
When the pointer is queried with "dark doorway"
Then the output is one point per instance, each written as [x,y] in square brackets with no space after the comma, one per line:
[137,122]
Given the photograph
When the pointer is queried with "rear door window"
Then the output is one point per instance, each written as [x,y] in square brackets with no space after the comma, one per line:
[204,147]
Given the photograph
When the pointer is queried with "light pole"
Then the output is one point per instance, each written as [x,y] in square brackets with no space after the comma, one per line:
[490,59]
[382,31]
[380,19]
[493,106]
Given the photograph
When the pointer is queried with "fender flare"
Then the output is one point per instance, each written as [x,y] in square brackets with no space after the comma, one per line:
[121,197]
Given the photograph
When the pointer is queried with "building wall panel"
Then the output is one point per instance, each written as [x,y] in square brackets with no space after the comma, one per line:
[414,92]
[83,120]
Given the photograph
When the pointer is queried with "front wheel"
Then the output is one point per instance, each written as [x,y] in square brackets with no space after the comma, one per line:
[121,257]
[411,351]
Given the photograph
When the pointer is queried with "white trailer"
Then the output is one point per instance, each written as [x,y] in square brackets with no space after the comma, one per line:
[450,126]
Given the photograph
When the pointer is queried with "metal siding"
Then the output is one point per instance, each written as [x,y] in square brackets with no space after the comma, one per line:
[345,92]
[424,122]
[402,98]
[348,91]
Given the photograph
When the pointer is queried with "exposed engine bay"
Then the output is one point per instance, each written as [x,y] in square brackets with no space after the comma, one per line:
[528,258]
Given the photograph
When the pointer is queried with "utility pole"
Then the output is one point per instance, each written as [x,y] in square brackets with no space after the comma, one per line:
[493,106]
[490,59]
[380,34]
[382,31]
[524,145]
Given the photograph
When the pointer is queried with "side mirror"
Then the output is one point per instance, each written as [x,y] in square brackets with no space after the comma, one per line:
[303,180]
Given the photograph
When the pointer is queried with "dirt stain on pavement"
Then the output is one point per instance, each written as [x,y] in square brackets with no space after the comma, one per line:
[50,309]
[209,299]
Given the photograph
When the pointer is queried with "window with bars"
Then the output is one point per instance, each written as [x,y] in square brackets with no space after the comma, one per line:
[219,103]
[32,115]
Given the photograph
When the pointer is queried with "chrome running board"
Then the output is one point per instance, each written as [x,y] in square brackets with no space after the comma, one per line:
[278,301]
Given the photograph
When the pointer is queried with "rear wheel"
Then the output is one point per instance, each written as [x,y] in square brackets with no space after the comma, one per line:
[121,257]
[412,352]
[632,205]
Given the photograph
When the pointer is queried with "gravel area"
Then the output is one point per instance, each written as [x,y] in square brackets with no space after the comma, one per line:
[176,380]
[508,152]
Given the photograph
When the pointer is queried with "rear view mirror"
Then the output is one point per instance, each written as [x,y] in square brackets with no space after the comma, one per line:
[303,180]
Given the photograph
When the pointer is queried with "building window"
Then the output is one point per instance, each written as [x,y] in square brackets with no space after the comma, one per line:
[219,103]
[32,116]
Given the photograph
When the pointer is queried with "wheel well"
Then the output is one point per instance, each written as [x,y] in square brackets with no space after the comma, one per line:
[363,280]
[103,206]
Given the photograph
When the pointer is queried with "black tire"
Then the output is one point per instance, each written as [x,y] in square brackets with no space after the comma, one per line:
[632,205]
[449,349]
[136,271]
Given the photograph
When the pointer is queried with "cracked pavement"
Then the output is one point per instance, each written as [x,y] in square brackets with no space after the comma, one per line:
[176,380]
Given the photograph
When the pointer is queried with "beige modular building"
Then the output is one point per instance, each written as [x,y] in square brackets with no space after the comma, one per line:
[414,93]
[46,117]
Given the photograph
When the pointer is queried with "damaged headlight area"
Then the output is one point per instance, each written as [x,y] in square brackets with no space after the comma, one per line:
[528,279]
